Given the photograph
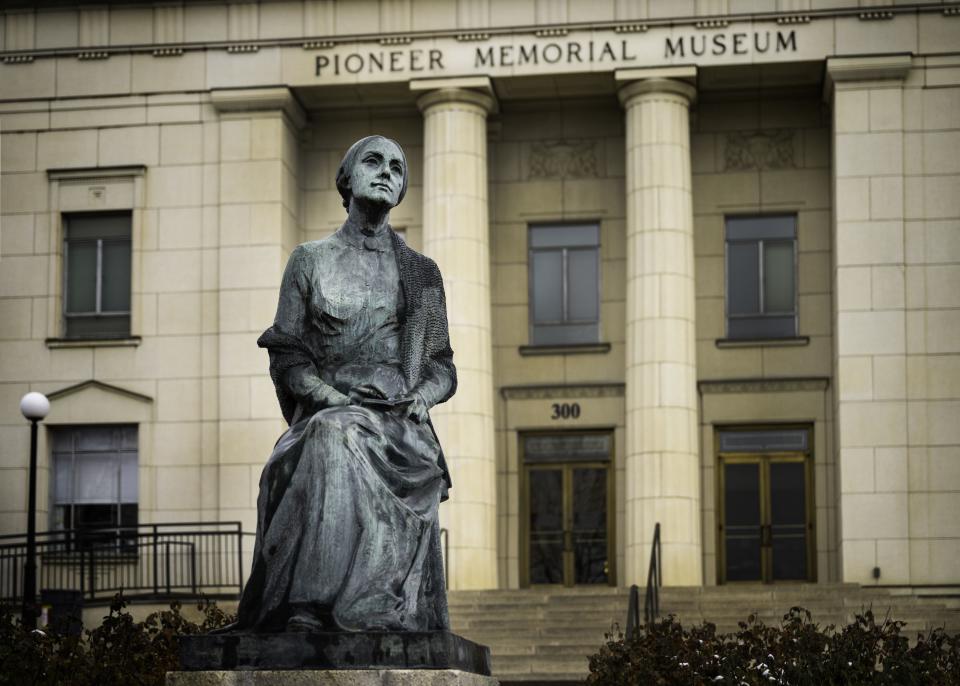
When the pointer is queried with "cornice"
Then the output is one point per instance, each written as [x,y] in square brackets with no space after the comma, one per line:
[311,42]
[777,385]
[550,391]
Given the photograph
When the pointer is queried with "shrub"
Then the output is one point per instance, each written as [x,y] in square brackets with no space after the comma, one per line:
[119,651]
[797,653]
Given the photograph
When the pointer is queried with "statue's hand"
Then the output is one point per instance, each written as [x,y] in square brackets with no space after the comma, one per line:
[328,397]
[417,410]
[365,392]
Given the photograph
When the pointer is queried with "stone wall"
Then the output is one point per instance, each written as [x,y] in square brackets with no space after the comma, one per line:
[897,317]
[173,197]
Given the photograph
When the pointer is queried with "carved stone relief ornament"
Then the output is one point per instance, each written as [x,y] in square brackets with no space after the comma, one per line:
[773,149]
[569,158]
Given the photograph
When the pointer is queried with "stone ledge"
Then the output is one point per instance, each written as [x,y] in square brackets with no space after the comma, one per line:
[353,677]
[572,349]
[365,650]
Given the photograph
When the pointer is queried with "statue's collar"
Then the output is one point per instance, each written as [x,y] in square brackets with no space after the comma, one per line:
[380,242]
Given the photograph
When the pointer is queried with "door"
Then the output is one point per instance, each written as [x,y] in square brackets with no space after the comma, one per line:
[566,511]
[766,527]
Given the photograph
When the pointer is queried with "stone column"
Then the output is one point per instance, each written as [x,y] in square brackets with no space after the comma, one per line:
[663,463]
[880,328]
[258,227]
[456,236]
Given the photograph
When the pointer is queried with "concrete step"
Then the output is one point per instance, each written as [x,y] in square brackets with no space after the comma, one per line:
[548,634]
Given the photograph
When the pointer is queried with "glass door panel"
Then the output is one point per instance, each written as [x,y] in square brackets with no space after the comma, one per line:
[766,519]
[546,525]
[742,521]
[589,530]
[567,515]
[788,520]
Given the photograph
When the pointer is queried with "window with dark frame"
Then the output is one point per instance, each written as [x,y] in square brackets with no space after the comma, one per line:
[95,482]
[564,284]
[96,275]
[761,269]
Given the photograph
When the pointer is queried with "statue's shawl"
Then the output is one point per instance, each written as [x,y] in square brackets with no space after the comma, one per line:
[424,342]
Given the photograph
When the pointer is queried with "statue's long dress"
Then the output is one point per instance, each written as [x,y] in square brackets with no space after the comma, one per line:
[347,531]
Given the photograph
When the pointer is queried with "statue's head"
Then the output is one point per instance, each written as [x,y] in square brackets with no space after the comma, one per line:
[374,170]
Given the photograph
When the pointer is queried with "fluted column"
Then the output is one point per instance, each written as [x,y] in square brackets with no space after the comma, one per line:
[663,466]
[456,236]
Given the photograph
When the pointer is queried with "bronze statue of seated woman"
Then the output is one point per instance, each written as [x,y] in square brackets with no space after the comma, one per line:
[347,517]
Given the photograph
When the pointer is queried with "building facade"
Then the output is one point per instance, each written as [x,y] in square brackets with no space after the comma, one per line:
[702,263]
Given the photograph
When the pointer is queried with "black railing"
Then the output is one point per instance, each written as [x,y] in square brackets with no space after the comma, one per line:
[651,603]
[145,561]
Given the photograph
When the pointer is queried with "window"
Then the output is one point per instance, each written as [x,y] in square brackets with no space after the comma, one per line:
[761,277]
[564,284]
[96,302]
[95,479]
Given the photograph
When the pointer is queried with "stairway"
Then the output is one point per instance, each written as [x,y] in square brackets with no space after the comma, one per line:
[546,635]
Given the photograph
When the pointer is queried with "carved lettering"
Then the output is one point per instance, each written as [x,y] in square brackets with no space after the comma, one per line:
[787,42]
[674,48]
[738,44]
[527,56]
[699,44]
[552,53]
[484,59]
[728,43]
[719,44]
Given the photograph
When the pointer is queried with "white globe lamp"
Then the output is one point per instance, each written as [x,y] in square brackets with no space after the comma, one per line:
[34,406]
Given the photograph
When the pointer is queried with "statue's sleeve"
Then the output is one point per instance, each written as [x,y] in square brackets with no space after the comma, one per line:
[292,363]
[438,376]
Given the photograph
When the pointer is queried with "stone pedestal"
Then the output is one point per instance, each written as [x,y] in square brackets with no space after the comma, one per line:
[336,677]
[367,650]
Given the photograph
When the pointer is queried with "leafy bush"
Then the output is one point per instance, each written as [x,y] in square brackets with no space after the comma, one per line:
[119,651]
[797,653]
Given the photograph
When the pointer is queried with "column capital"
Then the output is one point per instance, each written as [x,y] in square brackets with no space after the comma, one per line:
[474,90]
[276,98]
[676,80]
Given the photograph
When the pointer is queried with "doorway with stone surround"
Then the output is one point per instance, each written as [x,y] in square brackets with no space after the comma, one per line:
[765,522]
[567,510]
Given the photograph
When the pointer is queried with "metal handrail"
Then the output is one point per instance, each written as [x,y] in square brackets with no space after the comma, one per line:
[651,603]
[145,561]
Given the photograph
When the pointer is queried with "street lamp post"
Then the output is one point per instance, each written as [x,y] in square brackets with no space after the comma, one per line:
[34,407]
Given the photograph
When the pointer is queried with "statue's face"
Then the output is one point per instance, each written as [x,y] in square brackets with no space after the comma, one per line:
[377,176]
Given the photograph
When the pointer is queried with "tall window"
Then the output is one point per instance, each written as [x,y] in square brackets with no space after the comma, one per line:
[95,479]
[97,275]
[761,277]
[564,284]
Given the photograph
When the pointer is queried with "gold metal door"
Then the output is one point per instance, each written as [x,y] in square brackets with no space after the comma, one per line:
[567,524]
[765,530]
